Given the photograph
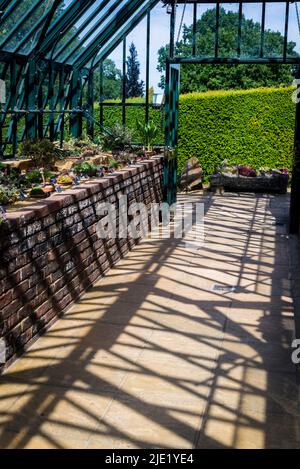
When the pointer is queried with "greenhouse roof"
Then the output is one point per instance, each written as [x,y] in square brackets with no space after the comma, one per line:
[71,32]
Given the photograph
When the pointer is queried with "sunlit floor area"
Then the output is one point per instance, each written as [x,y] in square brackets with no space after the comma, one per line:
[159,354]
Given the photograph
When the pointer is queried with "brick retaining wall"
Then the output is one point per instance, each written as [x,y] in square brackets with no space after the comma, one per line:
[50,252]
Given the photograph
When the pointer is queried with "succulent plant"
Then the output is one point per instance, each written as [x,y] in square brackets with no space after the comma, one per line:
[85,168]
[8,194]
[43,152]
[65,180]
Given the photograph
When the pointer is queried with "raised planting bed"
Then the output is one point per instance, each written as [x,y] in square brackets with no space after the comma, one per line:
[18,187]
[51,252]
[246,179]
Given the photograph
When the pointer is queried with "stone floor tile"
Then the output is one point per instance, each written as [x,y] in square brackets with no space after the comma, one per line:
[154,357]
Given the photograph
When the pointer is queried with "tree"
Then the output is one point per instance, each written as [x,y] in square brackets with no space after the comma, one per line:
[239,76]
[134,87]
[112,80]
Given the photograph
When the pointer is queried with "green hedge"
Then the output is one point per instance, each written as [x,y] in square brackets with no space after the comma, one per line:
[253,127]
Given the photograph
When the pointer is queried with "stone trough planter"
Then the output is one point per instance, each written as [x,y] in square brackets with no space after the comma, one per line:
[276,183]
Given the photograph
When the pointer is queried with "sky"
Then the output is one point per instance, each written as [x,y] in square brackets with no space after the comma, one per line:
[275,14]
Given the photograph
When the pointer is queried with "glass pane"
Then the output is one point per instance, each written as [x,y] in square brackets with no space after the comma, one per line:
[159,46]
[206,30]
[136,46]
[228,33]
[293,46]
[21,21]
[28,33]
[251,30]
[97,26]
[106,23]
[112,76]
[75,35]
[274,30]
[183,30]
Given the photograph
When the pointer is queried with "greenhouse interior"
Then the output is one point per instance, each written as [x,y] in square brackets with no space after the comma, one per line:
[149,225]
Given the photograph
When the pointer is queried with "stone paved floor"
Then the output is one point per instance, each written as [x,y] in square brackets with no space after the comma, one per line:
[154,357]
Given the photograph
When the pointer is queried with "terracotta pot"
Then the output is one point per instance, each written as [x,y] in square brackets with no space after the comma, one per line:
[48,188]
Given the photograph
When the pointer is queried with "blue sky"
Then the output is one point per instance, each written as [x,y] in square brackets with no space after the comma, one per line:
[160,30]
[275,14]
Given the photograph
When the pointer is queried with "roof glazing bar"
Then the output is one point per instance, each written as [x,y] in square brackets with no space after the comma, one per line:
[117,22]
[71,14]
[46,26]
[14,30]
[93,29]
[108,49]
[4,4]
[10,9]
[80,29]
[34,28]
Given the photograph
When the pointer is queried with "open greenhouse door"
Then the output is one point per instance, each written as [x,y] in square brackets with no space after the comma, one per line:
[171,132]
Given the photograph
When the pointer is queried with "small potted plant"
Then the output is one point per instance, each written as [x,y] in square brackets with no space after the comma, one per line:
[148,134]
[65,180]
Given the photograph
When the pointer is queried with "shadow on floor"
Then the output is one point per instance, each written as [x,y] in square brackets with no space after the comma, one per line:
[156,356]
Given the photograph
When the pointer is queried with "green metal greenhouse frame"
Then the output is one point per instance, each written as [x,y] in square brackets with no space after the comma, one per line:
[49,53]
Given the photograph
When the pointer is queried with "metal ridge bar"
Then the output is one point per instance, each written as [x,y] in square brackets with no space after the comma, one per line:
[286,28]
[9,10]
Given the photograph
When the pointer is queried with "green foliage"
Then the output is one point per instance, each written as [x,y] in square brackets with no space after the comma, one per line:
[134,87]
[35,177]
[86,168]
[253,127]
[112,82]
[134,114]
[119,138]
[148,134]
[43,152]
[39,193]
[77,146]
[65,180]
[8,194]
[239,76]
[114,163]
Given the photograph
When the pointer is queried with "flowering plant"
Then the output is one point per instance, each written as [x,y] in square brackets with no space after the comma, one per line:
[284,170]
[246,171]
